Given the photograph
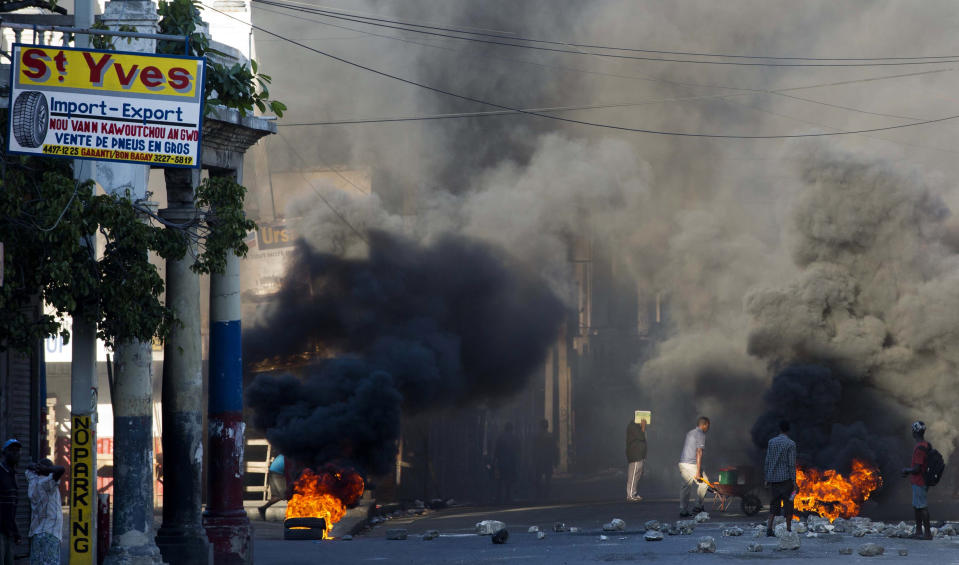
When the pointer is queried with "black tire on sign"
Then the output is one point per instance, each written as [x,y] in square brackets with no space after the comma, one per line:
[30,118]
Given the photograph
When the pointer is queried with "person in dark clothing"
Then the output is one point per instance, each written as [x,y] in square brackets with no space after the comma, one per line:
[635,457]
[917,476]
[506,463]
[779,471]
[545,457]
[9,534]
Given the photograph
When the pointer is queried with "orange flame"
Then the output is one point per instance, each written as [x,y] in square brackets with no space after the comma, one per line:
[325,495]
[831,495]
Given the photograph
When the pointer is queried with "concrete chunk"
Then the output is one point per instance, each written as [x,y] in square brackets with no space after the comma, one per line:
[653,525]
[653,535]
[788,541]
[615,525]
[871,550]
[706,544]
[489,527]
[735,531]
[754,547]
[701,517]
[500,536]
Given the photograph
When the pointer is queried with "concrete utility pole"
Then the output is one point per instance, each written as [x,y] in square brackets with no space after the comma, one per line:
[83,381]
[225,518]
[133,531]
[181,538]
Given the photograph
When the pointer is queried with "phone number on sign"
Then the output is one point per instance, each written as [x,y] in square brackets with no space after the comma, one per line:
[117,154]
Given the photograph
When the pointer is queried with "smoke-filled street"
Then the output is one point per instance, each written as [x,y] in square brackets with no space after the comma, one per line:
[458,542]
[503,231]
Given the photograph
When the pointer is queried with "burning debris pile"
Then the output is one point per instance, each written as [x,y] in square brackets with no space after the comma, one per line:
[838,454]
[325,495]
[831,495]
[415,328]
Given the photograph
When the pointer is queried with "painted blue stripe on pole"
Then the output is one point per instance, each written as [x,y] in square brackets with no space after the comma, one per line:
[226,367]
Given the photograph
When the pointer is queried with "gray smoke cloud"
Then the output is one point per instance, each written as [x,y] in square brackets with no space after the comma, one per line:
[875,296]
[763,253]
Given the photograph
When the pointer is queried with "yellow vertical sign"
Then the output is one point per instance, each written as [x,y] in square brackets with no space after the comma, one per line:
[82,492]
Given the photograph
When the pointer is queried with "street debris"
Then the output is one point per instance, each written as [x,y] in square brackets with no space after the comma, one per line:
[652,525]
[489,527]
[706,544]
[903,552]
[540,535]
[431,535]
[573,529]
[732,532]
[603,538]
[500,536]
[685,527]
[871,549]
[615,525]
[701,517]
[845,551]
[533,529]
[788,541]
[754,547]
[653,535]
[560,527]
[396,534]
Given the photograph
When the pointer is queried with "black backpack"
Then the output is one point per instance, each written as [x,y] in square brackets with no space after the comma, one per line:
[935,466]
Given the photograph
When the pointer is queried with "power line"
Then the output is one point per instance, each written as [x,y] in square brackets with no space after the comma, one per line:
[741,91]
[777,92]
[344,13]
[323,198]
[570,120]
[373,22]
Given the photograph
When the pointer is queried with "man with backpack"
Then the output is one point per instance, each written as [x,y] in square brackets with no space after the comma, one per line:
[926,470]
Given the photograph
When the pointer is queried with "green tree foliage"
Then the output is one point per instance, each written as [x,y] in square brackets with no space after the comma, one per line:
[234,86]
[44,218]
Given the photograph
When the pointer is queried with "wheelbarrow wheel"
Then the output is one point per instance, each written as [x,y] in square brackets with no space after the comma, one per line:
[751,505]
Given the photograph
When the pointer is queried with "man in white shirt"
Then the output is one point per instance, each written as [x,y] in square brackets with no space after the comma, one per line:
[691,468]
[46,516]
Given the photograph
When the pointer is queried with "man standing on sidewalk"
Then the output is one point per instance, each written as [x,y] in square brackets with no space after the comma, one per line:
[780,474]
[46,514]
[9,534]
[691,468]
[635,457]
[917,476]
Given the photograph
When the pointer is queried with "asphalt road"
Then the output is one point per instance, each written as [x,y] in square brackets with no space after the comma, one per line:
[458,542]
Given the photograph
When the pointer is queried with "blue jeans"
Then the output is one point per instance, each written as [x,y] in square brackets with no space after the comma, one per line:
[919,496]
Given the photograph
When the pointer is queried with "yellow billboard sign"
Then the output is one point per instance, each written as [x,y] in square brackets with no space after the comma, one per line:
[106,105]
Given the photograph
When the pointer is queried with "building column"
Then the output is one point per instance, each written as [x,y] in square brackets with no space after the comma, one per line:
[225,519]
[181,538]
[133,527]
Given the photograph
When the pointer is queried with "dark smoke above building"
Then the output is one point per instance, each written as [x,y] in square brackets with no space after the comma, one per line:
[413,327]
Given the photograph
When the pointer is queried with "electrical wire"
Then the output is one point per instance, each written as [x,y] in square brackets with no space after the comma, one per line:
[323,198]
[372,22]
[76,189]
[516,37]
[740,90]
[570,120]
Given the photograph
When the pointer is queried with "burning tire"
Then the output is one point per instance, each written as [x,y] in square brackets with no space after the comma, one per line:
[29,117]
[304,528]
[751,504]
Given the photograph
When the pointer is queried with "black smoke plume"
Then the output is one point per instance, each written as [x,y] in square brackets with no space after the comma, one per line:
[413,328]
[826,418]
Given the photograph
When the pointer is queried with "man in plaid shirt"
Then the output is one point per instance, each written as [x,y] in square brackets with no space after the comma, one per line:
[780,472]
